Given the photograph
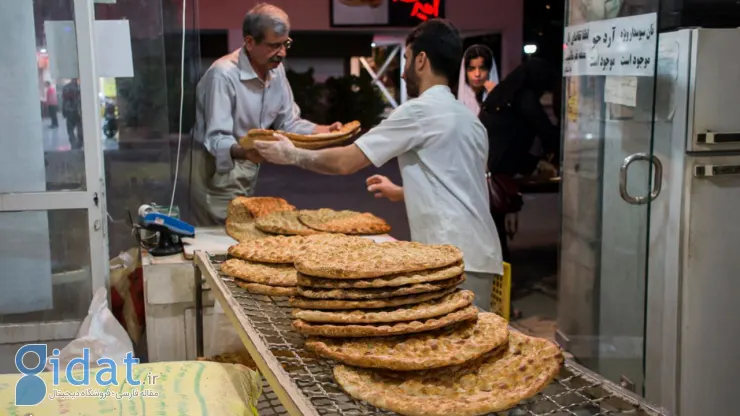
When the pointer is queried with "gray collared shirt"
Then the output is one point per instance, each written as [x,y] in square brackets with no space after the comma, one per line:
[231,100]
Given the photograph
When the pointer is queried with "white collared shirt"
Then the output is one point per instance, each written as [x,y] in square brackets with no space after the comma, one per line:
[231,100]
[442,149]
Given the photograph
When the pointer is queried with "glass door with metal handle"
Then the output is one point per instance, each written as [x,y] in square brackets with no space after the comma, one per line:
[605,225]
[657,168]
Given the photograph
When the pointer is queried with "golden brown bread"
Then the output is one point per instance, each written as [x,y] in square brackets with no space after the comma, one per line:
[430,309]
[493,383]
[331,304]
[453,345]
[283,222]
[393,280]
[266,290]
[261,273]
[381,293]
[385,329]
[345,222]
[244,209]
[380,259]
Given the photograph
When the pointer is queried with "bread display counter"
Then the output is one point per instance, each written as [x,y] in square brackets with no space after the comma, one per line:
[304,381]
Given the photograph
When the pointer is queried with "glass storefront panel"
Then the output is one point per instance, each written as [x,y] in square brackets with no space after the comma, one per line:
[608,102]
[46,273]
[40,104]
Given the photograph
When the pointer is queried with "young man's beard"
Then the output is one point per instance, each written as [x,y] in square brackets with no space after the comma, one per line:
[412,83]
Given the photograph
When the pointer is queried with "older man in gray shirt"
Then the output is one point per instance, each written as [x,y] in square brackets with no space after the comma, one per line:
[244,90]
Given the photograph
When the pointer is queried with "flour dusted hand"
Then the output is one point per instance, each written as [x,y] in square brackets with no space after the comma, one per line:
[280,152]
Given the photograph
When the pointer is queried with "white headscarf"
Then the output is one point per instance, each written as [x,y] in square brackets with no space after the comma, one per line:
[465,93]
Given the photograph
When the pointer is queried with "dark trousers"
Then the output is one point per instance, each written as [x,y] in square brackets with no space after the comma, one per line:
[500,221]
[74,131]
[53,110]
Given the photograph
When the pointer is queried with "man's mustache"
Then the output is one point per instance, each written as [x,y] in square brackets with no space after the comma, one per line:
[277,59]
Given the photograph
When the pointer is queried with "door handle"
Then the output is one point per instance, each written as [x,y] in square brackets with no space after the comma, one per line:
[657,178]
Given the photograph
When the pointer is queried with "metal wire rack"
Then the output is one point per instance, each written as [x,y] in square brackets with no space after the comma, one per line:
[299,382]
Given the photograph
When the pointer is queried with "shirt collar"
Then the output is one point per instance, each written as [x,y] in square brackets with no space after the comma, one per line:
[437,88]
[246,71]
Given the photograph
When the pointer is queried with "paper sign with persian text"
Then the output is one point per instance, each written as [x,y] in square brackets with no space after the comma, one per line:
[623,46]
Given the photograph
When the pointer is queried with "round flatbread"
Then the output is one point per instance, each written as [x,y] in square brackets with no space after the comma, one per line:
[493,383]
[382,293]
[453,345]
[273,249]
[384,330]
[284,249]
[346,222]
[266,274]
[425,310]
[395,280]
[243,231]
[266,290]
[380,259]
[244,209]
[283,222]
[330,304]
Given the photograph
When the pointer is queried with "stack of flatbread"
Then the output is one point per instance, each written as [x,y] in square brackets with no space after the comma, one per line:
[304,141]
[308,222]
[243,211]
[265,266]
[379,290]
[408,339]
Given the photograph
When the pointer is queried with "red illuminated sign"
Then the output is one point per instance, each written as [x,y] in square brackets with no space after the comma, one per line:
[423,10]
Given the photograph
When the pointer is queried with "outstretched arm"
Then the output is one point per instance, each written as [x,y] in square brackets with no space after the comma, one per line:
[344,160]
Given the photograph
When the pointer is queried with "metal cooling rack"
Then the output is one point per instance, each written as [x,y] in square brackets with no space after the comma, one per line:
[301,383]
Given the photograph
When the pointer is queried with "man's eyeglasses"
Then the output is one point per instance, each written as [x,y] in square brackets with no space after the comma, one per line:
[277,45]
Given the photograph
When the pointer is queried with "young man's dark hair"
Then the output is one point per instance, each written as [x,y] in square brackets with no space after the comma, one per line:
[441,42]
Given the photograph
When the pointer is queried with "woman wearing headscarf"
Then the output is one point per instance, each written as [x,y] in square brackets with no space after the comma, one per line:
[478,76]
[513,115]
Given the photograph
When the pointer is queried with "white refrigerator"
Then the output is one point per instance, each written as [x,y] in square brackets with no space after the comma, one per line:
[692,333]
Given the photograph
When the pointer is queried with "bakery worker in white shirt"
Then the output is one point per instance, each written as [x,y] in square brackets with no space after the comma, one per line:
[244,90]
[442,150]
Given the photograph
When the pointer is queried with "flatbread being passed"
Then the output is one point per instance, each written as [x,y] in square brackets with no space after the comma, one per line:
[425,310]
[346,222]
[493,383]
[380,259]
[384,330]
[285,223]
[453,345]
[284,249]
[306,141]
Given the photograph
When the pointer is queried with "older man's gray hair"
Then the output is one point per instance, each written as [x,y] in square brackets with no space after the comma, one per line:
[262,18]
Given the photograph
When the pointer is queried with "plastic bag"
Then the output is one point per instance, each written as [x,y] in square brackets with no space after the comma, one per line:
[101,333]
[223,337]
[127,292]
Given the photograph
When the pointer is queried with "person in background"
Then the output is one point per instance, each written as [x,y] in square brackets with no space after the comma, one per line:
[244,90]
[441,149]
[514,116]
[72,112]
[52,104]
[478,76]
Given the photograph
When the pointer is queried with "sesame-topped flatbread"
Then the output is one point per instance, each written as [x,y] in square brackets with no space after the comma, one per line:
[380,259]
[381,293]
[284,249]
[285,223]
[492,383]
[262,273]
[384,330]
[453,345]
[394,280]
[430,309]
[346,222]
